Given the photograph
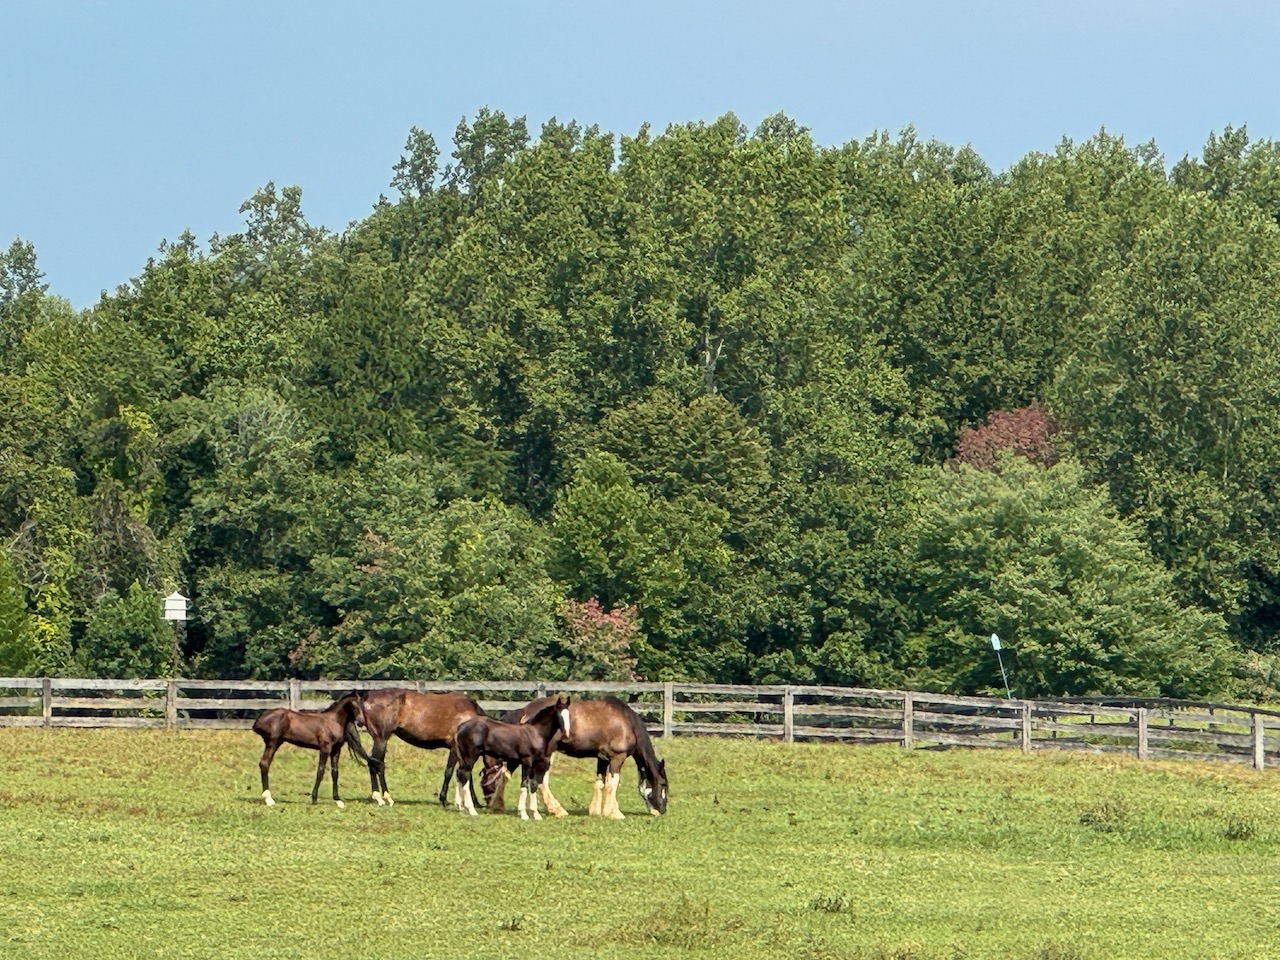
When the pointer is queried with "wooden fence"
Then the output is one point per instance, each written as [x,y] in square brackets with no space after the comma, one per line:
[1148,729]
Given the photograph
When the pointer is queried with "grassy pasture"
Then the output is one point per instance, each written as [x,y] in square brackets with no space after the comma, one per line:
[155,844]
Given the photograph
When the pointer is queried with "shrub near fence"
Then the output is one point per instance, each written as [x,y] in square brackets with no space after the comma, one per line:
[1145,728]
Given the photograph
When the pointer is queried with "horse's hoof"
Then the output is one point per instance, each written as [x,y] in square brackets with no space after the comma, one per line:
[616,815]
[268,799]
[560,812]
[537,815]
[390,802]
[376,798]
[340,804]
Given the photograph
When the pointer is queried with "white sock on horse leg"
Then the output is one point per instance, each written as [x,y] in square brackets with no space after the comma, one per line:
[533,804]
[611,797]
[554,806]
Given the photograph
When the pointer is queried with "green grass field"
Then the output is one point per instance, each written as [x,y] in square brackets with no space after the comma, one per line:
[155,844]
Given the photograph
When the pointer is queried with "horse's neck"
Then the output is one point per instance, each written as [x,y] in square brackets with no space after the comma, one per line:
[545,724]
[643,754]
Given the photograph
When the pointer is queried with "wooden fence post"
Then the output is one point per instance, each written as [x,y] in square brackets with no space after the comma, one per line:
[295,694]
[46,701]
[171,705]
[540,690]
[668,708]
[1026,726]
[1259,743]
[908,722]
[1144,752]
[788,716]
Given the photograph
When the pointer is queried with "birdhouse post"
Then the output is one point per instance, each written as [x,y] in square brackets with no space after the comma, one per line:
[175,609]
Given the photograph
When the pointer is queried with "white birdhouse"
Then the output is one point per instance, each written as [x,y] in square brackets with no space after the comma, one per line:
[175,606]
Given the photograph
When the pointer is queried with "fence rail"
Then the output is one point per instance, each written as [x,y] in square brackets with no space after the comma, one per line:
[1147,728]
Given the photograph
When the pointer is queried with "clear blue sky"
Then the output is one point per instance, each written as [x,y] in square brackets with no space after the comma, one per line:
[122,124]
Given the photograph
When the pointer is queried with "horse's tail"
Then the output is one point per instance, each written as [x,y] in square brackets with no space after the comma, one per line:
[472,734]
[352,735]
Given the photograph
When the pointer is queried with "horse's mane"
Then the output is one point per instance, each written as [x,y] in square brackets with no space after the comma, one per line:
[356,695]
[550,707]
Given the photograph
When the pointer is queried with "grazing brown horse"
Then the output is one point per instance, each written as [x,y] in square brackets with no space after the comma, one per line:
[323,730]
[426,720]
[609,731]
[529,744]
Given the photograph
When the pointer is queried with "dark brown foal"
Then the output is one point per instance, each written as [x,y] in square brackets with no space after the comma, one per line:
[528,744]
[608,731]
[323,730]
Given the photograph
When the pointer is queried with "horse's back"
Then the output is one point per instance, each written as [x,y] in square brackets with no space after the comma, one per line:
[422,719]
[607,724]
[600,727]
[302,728]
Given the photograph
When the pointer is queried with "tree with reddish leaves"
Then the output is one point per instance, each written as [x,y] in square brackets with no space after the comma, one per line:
[1027,432]
[597,643]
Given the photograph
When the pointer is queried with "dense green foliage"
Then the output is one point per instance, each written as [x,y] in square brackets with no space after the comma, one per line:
[132,844]
[723,379]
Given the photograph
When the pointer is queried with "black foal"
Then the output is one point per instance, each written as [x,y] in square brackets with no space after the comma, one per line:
[528,744]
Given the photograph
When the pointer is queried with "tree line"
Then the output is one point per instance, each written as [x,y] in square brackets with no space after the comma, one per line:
[710,404]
